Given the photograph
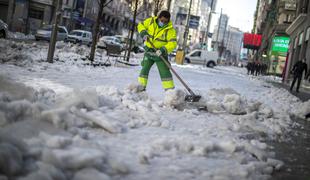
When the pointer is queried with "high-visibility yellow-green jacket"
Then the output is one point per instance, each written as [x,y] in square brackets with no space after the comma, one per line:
[160,37]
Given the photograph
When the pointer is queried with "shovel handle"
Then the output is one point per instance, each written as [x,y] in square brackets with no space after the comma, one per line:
[173,71]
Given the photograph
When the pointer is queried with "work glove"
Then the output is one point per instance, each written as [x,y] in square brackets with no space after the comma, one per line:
[161,51]
[147,49]
[144,35]
[158,53]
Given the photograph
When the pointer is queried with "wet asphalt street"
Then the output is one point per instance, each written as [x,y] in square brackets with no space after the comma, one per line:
[295,153]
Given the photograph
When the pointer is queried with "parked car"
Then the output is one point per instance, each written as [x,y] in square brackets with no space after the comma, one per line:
[45,33]
[172,54]
[3,29]
[123,39]
[80,36]
[204,57]
[138,49]
[109,40]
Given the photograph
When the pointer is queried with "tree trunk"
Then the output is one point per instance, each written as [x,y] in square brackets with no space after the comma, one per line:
[132,29]
[95,31]
[51,48]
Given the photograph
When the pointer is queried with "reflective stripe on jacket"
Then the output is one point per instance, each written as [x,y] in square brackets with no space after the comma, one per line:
[160,37]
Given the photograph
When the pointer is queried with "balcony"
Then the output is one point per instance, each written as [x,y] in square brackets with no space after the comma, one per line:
[299,20]
[46,2]
[288,5]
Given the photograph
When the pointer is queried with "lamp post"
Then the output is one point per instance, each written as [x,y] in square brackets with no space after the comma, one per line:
[187,26]
[132,29]
[209,22]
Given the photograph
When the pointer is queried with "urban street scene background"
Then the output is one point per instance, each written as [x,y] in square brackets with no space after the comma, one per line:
[154,89]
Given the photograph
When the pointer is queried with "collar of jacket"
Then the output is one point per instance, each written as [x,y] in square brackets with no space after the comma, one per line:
[163,29]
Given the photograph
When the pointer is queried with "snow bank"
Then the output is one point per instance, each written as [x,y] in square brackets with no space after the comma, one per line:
[19,35]
[174,98]
[302,109]
[100,122]
[108,132]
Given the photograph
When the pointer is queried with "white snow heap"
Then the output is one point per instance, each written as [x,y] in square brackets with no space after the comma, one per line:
[174,98]
[234,104]
[12,155]
[69,126]
[301,110]
[225,100]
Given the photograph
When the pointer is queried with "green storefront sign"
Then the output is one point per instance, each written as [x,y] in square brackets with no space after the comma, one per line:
[280,44]
[277,54]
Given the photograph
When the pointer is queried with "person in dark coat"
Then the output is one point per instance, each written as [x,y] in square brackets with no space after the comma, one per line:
[257,68]
[252,68]
[307,116]
[297,71]
[248,67]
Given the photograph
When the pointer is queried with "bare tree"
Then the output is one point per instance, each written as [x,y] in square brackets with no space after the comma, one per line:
[96,30]
[57,17]
[102,4]
[158,4]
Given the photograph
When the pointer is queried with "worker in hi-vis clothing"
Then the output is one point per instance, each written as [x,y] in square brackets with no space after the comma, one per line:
[160,32]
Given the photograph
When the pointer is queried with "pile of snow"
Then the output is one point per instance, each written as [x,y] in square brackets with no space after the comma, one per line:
[61,130]
[94,125]
[302,109]
[174,98]
[19,35]
[25,54]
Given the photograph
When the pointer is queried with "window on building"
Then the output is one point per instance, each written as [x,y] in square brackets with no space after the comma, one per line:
[307,34]
[306,6]
[300,38]
[36,14]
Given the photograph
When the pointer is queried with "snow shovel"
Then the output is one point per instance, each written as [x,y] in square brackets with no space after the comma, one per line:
[191,97]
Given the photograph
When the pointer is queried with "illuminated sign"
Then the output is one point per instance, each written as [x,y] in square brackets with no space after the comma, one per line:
[280,44]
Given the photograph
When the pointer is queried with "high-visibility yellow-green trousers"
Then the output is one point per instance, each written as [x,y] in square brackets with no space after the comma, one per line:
[165,74]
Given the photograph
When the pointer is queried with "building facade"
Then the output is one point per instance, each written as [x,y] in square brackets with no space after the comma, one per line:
[200,10]
[29,15]
[272,20]
[299,32]
[233,44]
[219,34]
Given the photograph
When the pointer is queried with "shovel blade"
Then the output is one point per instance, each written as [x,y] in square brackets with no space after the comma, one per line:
[192,98]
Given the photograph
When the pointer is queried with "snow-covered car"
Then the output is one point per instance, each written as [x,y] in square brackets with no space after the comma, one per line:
[45,33]
[122,38]
[109,40]
[80,36]
[204,57]
[3,29]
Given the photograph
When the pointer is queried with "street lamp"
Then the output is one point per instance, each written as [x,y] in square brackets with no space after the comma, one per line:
[209,22]
[187,26]
[180,55]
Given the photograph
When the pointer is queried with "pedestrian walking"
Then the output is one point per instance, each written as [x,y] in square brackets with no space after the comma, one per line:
[249,67]
[257,68]
[297,72]
[159,31]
